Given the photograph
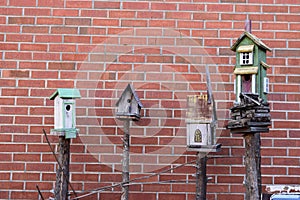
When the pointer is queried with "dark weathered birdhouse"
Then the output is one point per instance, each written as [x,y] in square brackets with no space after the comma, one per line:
[129,105]
[65,112]
[201,124]
[251,112]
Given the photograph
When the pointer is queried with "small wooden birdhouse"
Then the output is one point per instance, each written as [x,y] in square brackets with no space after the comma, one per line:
[251,112]
[201,124]
[65,112]
[250,69]
[129,105]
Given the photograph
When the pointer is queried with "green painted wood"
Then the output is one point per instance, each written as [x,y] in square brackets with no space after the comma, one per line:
[66,93]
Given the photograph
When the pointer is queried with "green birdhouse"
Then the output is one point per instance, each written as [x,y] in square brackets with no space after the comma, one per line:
[251,111]
[65,112]
[251,68]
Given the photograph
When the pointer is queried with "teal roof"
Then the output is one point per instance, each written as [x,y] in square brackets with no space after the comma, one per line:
[66,93]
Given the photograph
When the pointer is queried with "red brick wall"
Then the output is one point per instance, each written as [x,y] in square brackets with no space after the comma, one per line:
[162,48]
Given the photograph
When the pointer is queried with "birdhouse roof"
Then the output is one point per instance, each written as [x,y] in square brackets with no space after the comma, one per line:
[66,93]
[252,37]
[131,89]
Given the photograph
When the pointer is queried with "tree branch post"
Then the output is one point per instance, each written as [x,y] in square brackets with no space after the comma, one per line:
[201,178]
[251,183]
[62,174]
[125,162]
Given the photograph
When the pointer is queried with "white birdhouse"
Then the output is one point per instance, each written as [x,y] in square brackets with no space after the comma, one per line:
[65,112]
[129,105]
[201,124]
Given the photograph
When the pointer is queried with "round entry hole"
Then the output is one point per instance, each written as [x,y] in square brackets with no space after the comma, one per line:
[68,107]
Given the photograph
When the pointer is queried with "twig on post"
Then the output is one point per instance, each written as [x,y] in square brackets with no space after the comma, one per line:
[38,189]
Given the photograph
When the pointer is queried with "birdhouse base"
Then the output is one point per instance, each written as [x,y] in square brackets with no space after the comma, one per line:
[128,117]
[205,148]
[68,133]
[252,115]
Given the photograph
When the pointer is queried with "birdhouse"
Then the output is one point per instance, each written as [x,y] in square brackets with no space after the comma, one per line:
[251,112]
[65,112]
[129,105]
[201,124]
[250,69]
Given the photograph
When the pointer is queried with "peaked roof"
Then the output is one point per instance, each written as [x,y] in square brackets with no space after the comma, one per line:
[131,89]
[252,37]
[66,93]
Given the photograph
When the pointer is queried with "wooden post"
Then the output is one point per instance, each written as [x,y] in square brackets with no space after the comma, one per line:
[62,173]
[201,179]
[125,161]
[251,183]
[258,163]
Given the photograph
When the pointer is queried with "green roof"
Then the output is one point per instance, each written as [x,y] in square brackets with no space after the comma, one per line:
[66,93]
[252,37]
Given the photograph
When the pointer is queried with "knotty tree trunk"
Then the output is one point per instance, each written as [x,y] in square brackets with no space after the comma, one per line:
[201,179]
[62,173]
[252,191]
[125,161]
[258,162]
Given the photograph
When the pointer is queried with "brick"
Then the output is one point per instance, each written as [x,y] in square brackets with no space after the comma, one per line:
[23,3]
[34,47]
[12,147]
[11,184]
[287,35]
[18,55]
[163,6]
[98,168]
[46,56]
[74,57]
[136,5]
[106,4]
[60,84]
[26,176]
[20,20]
[275,9]
[171,196]
[34,29]
[287,53]
[77,39]
[37,11]
[48,38]
[14,92]
[178,15]
[220,8]
[32,65]
[288,18]
[62,47]
[134,23]
[8,46]
[93,13]
[14,110]
[219,25]
[49,21]
[39,167]
[78,21]
[51,3]
[150,14]
[19,38]
[65,12]
[79,4]
[11,11]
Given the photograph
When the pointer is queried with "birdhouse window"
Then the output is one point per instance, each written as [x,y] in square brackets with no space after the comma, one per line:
[246,54]
[246,58]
